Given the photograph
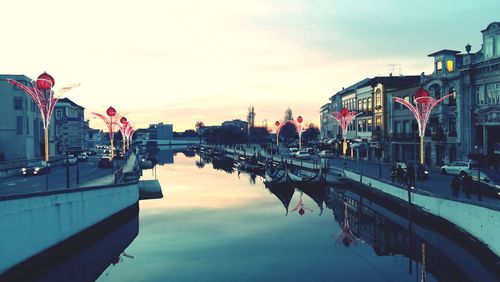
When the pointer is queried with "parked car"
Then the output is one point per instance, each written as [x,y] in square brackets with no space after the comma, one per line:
[82,157]
[293,150]
[36,168]
[326,154]
[119,154]
[71,160]
[459,167]
[310,150]
[105,162]
[303,155]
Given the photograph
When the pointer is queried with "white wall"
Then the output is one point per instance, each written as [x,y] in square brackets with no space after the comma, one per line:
[33,224]
[480,222]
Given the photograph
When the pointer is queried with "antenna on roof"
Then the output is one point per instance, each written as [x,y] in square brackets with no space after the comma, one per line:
[392,67]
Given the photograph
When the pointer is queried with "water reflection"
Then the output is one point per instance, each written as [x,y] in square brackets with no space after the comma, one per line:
[85,257]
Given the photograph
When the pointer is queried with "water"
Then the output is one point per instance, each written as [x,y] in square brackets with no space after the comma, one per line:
[213,225]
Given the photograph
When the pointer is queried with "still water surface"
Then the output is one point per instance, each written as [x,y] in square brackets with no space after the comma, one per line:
[213,225]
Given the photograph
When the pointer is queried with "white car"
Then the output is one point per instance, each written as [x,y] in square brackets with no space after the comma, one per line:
[293,151]
[326,154]
[459,167]
[71,160]
[303,155]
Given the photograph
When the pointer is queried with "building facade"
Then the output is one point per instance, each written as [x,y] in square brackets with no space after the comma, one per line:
[21,127]
[70,126]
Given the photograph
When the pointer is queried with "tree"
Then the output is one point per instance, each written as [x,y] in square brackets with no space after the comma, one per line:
[288,114]
[260,134]
[289,132]
[311,133]
[198,125]
[226,135]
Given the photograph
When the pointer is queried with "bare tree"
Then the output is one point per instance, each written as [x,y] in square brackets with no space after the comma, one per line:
[288,114]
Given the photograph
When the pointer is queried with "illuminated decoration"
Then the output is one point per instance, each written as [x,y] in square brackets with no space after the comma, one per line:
[111,120]
[45,98]
[126,130]
[343,118]
[298,127]
[422,111]
[301,207]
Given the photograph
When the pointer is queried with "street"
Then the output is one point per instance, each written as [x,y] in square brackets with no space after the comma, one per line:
[90,175]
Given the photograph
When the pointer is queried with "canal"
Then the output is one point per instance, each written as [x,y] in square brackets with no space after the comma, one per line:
[215,224]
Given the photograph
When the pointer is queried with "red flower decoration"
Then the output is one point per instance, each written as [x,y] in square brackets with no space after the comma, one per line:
[45,81]
[344,112]
[277,123]
[123,120]
[421,92]
[111,111]
[299,119]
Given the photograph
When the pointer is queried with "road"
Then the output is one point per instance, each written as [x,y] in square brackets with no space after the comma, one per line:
[90,175]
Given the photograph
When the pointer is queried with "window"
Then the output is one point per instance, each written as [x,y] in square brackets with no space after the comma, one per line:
[364,105]
[27,125]
[369,122]
[397,128]
[407,99]
[18,103]
[19,125]
[378,98]
[488,47]
[58,113]
[452,125]
[439,65]
[493,93]
[449,66]
[360,107]
[378,121]
[364,125]
[360,126]
[497,51]
[370,104]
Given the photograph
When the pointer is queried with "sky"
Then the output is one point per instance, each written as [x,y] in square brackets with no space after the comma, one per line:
[181,62]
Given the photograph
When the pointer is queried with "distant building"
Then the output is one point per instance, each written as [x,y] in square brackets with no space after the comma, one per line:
[237,123]
[92,137]
[69,126]
[161,131]
[21,127]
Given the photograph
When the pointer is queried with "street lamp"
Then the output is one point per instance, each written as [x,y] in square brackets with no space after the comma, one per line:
[299,129]
[422,111]
[111,120]
[42,94]
[343,118]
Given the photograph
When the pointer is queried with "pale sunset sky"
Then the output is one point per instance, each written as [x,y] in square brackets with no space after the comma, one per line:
[185,61]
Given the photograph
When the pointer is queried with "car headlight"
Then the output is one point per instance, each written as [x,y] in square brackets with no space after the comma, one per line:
[497,186]
[426,172]
[23,169]
[37,168]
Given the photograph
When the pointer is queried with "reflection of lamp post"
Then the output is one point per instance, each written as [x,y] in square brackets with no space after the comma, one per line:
[422,111]
[42,94]
[343,118]
[110,122]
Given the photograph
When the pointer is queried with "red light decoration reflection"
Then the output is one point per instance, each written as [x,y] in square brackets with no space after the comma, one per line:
[301,207]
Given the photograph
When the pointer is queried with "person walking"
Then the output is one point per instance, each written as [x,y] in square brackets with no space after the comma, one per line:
[399,174]
[456,181]
[411,175]
[467,185]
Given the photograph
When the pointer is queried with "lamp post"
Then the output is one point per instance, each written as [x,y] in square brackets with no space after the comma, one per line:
[122,126]
[343,118]
[422,111]
[111,120]
[299,120]
[278,127]
[45,98]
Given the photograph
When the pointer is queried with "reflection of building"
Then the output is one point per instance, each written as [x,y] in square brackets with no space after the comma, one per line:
[21,128]
[389,234]
[69,126]
[165,157]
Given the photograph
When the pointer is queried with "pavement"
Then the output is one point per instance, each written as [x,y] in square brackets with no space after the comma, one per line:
[90,175]
[437,183]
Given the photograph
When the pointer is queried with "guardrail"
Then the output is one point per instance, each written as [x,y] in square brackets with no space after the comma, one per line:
[20,163]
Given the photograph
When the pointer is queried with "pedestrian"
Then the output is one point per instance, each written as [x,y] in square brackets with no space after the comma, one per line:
[411,175]
[399,174]
[456,181]
[467,185]
[393,174]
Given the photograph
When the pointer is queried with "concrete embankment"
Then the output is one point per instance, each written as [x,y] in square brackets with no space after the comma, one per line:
[481,222]
[33,223]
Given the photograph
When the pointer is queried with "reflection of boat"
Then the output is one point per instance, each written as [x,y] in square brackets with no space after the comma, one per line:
[85,256]
[283,191]
[299,175]
[275,174]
